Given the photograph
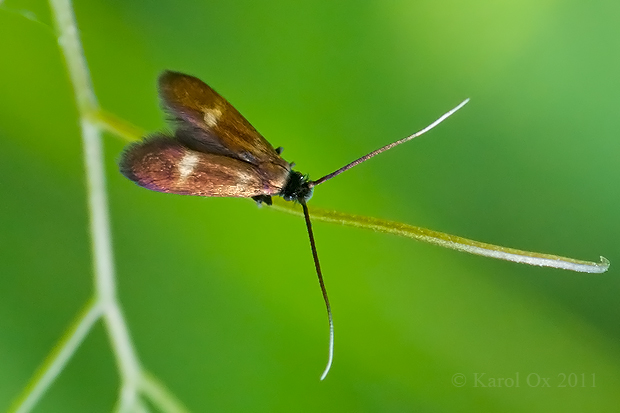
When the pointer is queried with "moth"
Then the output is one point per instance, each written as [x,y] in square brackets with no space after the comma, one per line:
[214,151]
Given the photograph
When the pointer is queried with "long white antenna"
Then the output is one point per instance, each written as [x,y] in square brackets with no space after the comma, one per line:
[387,147]
[319,274]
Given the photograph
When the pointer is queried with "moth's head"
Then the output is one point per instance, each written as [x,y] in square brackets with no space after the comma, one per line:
[297,188]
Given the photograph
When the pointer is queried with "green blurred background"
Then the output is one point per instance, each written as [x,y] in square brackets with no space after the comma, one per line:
[221,297]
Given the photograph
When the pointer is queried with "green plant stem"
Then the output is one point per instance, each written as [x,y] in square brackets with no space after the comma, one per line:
[58,358]
[129,132]
[159,395]
[447,241]
[117,126]
[101,243]
[141,407]
[105,303]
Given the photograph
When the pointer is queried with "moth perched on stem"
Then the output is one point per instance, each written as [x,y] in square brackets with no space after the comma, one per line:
[214,151]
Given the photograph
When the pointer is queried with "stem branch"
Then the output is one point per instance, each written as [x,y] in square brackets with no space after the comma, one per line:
[105,304]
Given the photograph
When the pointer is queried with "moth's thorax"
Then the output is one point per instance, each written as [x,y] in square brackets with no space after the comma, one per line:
[296,188]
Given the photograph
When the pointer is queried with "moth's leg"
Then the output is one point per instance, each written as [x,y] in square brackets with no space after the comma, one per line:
[262,198]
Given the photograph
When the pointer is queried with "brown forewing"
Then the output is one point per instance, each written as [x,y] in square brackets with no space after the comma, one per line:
[209,123]
[164,164]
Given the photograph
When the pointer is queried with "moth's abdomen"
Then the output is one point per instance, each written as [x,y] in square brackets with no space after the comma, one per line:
[164,164]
